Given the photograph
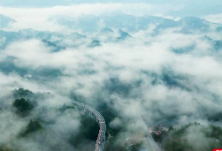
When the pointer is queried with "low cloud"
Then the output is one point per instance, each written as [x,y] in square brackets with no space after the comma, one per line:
[39,18]
[215,18]
[168,75]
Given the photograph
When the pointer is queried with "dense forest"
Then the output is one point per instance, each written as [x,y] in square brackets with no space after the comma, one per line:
[191,137]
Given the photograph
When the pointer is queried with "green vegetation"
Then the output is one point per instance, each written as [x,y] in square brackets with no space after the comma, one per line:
[5,148]
[27,94]
[25,100]
[24,103]
[89,130]
[112,133]
[215,117]
[32,127]
[23,106]
[23,93]
[193,137]
[113,146]
[159,138]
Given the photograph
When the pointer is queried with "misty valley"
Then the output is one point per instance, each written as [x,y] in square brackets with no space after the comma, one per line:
[109,77]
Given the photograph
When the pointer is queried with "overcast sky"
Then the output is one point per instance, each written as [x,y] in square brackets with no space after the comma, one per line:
[185,7]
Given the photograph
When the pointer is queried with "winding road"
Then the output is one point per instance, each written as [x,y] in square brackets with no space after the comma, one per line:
[100,142]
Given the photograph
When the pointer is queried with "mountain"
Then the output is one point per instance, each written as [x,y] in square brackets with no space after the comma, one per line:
[114,20]
[51,39]
[119,20]
[193,23]
[123,35]
[106,31]
[217,44]
[219,29]
[5,21]
[54,47]
[108,35]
